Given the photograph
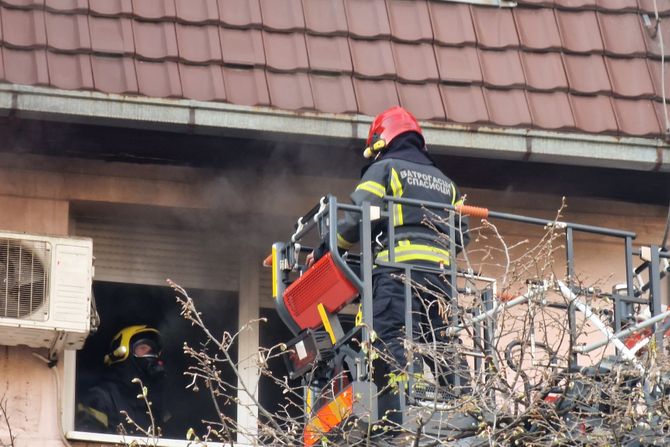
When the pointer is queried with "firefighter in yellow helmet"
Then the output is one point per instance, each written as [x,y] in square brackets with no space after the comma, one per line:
[134,352]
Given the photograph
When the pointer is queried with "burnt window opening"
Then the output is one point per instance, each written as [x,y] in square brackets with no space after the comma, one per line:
[121,305]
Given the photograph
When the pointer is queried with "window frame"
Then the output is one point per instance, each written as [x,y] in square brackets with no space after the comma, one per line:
[249,293]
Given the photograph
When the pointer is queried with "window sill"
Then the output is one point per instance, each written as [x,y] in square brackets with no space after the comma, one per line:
[104,438]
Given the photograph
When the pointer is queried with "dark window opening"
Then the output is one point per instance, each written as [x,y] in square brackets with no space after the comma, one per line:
[122,305]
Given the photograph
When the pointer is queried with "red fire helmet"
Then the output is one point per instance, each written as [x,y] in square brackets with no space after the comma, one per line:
[388,125]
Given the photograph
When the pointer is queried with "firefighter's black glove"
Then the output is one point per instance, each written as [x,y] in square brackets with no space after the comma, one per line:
[316,254]
[320,251]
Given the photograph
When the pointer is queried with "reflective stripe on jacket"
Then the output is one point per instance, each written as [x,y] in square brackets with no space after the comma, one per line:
[415,241]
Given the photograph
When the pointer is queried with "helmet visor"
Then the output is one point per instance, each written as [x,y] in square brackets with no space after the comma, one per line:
[145,348]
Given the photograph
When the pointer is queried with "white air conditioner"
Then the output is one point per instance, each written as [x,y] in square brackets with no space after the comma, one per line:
[45,291]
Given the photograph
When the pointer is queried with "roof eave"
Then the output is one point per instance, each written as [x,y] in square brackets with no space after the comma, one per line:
[181,115]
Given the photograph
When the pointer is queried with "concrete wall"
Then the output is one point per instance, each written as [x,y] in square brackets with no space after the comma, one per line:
[38,193]
[27,385]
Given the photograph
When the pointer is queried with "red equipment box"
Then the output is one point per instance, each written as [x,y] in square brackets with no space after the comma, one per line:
[322,283]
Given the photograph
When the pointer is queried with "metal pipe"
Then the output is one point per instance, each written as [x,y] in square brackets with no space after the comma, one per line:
[628,250]
[586,310]
[306,222]
[570,254]
[655,282]
[497,308]
[332,243]
[524,219]
[366,283]
[624,333]
[610,337]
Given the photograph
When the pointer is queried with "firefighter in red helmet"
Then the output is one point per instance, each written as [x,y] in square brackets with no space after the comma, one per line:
[401,167]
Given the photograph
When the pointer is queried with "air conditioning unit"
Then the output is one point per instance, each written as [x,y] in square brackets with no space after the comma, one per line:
[45,291]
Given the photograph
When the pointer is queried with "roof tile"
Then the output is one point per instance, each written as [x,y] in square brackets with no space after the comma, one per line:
[328,53]
[313,46]
[372,58]
[114,74]
[367,18]
[423,100]
[537,28]
[655,72]
[636,117]
[622,34]
[652,39]
[501,68]
[70,71]
[617,5]
[285,51]
[410,20]
[550,110]
[154,9]
[25,66]
[630,77]
[586,74]
[374,97]
[418,61]
[67,5]
[246,86]
[458,64]
[579,31]
[285,15]
[111,7]
[242,46]
[544,71]
[325,16]
[23,3]
[197,11]
[111,35]
[198,44]
[464,104]
[593,114]
[23,28]
[68,32]
[507,107]
[658,107]
[334,94]
[495,27]
[240,12]
[202,83]
[536,2]
[158,79]
[452,23]
[648,6]
[290,91]
[155,40]
[576,4]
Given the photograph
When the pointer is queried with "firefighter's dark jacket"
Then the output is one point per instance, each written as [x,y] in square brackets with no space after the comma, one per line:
[99,409]
[405,170]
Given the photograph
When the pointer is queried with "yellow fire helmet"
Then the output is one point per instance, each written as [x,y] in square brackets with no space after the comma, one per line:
[120,346]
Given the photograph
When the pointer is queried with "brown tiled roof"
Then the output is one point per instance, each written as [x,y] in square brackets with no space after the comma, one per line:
[575,65]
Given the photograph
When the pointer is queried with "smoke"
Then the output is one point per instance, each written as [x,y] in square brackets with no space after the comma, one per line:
[188,207]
